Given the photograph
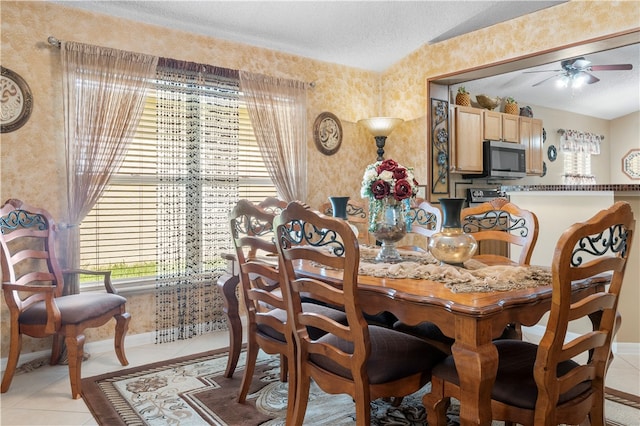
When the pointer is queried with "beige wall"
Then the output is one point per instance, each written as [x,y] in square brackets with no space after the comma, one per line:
[625,136]
[32,158]
[553,120]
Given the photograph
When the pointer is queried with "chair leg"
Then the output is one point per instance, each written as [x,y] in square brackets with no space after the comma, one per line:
[56,349]
[75,350]
[249,368]
[284,368]
[436,404]
[122,325]
[293,379]
[303,382]
[15,345]
[363,410]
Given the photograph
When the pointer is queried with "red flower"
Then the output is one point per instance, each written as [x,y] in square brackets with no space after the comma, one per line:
[399,173]
[402,189]
[389,165]
[380,189]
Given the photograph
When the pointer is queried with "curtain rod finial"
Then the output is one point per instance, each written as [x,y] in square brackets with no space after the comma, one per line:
[54,41]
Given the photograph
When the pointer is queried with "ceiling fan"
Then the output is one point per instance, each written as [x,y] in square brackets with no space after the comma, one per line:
[574,72]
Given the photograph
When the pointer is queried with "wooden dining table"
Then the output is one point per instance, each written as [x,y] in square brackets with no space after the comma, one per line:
[473,319]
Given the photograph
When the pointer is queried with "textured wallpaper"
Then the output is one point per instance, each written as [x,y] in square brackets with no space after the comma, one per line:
[32,158]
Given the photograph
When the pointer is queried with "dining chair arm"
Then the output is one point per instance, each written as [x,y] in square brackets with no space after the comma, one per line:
[54,317]
[106,274]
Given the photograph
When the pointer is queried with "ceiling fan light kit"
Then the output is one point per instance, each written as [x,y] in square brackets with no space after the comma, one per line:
[576,72]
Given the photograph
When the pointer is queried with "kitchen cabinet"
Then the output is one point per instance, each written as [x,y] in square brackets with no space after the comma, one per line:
[510,128]
[531,138]
[466,143]
[501,127]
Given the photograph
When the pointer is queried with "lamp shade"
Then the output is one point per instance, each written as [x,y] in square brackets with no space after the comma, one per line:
[380,126]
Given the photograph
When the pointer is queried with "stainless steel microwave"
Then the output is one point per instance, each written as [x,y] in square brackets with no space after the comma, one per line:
[502,160]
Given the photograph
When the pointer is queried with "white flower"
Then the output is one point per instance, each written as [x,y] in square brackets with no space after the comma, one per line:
[386,176]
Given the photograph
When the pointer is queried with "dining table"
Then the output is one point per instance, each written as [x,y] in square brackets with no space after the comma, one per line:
[471,304]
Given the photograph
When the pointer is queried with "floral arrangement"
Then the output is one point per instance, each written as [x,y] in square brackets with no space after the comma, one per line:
[387,181]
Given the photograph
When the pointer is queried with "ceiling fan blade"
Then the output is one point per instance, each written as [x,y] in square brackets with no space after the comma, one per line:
[613,67]
[542,81]
[580,63]
[591,78]
[531,72]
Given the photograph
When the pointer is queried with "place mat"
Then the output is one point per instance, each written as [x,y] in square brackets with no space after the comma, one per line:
[474,277]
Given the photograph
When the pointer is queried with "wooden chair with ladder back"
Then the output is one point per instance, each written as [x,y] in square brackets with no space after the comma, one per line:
[561,380]
[364,361]
[252,232]
[33,284]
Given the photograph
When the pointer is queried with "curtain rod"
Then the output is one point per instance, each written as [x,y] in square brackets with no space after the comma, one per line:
[57,43]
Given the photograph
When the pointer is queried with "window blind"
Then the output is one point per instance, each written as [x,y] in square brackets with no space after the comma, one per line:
[120,233]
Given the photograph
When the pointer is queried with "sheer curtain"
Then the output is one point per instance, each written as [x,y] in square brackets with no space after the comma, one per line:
[198,146]
[578,147]
[278,111]
[104,91]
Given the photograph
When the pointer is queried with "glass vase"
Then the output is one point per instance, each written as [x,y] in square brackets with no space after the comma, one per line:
[389,226]
[452,245]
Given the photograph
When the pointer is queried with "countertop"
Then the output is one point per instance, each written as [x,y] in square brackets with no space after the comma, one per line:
[604,187]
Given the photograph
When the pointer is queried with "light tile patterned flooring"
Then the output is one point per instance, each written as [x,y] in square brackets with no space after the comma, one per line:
[42,396]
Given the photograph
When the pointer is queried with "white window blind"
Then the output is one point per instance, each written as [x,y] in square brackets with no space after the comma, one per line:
[577,169]
[120,233]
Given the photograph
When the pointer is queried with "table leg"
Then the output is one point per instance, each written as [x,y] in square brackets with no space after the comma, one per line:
[228,284]
[476,359]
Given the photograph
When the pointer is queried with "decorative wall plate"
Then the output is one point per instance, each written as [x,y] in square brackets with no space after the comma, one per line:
[552,153]
[327,133]
[16,101]
[631,164]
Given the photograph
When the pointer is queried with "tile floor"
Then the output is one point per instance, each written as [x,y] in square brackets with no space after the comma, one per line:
[42,396]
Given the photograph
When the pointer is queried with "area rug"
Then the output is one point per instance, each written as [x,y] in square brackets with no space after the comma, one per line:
[192,391]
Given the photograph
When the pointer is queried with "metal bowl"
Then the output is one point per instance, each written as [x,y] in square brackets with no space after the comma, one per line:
[489,103]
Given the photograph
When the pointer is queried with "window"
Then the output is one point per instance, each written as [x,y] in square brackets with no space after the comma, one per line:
[121,233]
[577,169]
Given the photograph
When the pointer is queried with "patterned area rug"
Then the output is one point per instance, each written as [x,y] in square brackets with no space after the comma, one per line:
[192,391]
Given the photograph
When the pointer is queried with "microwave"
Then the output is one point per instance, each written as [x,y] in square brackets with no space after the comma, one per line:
[502,160]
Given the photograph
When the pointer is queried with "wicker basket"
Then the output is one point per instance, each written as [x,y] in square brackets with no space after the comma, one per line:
[511,108]
[463,99]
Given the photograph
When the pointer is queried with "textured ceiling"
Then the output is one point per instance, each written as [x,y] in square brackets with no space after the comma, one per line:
[370,35]
[374,35]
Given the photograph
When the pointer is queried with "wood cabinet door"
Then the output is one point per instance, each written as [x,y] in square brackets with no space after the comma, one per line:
[510,128]
[492,125]
[531,138]
[466,149]
[535,152]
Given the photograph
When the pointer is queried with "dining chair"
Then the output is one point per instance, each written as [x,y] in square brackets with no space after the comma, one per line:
[228,282]
[273,204]
[426,220]
[357,215]
[501,221]
[365,361]
[495,221]
[33,283]
[561,380]
[252,231]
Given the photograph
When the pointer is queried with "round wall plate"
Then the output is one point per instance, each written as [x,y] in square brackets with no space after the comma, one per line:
[327,133]
[17,101]
[552,153]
